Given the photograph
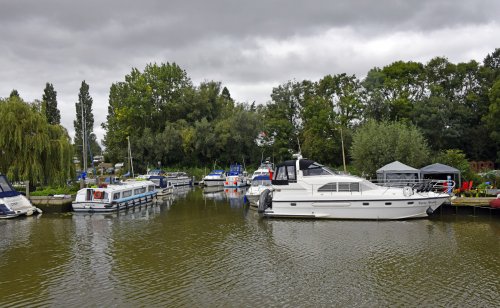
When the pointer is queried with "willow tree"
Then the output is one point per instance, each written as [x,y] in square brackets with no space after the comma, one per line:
[31,148]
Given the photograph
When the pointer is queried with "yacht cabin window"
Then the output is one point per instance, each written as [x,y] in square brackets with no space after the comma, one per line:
[127,193]
[316,169]
[340,187]
[116,196]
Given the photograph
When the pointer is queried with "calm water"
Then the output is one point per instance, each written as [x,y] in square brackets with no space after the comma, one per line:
[209,249]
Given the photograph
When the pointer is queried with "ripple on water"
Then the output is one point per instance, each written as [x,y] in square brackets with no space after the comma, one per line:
[196,252]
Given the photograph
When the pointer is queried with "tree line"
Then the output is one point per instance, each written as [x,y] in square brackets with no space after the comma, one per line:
[407,111]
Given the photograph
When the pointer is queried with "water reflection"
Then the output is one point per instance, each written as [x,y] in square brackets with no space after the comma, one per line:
[196,249]
[215,193]
[236,196]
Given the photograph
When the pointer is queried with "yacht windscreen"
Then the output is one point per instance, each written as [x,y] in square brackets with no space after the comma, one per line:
[316,169]
[4,185]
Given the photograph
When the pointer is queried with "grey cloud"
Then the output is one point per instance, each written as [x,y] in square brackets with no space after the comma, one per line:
[65,42]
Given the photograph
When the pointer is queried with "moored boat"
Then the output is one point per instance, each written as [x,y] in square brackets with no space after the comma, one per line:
[114,197]
[215,178]
[258,185]
[179,179]
[12,202]
[304,188]
[495,203]
[236,177]
[162,184]
[265,168]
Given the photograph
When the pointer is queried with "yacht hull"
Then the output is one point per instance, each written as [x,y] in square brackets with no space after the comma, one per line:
[356,209]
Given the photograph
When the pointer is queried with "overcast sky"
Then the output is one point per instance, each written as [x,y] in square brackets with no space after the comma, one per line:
[249,46]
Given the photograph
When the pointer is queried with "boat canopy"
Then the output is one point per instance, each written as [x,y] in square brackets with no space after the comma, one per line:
[236,169]
[261,178]
[6,190]
[217,172]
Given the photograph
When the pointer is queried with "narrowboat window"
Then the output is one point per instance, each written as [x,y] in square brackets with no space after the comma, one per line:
[116,196]
[127,193]
[291,172]
[328,187]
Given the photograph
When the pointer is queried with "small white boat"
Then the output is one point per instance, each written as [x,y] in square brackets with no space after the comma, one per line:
[163,185]
[13,203]
[265,168]
[215,178]
[114,197]
[236,177]
[179,179]
[304,188]
[259,184]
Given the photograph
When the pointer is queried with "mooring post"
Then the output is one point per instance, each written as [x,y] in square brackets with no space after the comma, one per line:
[27,183]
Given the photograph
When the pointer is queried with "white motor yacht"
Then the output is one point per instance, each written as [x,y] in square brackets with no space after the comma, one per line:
[215,178]
[265,168]
[258,185]
[304,188]
[13,203]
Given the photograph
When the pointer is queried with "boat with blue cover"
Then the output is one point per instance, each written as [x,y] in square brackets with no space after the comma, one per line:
[215,178]
[236,177]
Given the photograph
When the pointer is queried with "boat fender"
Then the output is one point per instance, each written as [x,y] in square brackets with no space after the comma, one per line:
[407,191]
[265,201]
[429,211]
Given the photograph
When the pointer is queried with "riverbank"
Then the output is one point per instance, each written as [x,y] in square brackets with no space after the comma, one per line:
[53,204]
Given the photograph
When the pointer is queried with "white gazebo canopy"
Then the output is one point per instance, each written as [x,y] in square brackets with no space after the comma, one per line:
[397,171]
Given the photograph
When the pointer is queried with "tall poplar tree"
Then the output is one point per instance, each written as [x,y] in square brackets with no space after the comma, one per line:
[49,104]
[84,105]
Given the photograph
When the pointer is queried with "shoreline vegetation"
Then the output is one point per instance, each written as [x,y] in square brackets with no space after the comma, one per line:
[416,113]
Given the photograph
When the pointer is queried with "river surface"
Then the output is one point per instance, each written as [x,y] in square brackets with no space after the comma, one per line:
[198,249]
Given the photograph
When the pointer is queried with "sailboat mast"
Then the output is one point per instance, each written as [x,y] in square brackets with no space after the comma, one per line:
[130,157]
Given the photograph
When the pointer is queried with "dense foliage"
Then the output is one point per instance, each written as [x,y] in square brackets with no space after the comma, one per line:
[409,111]
[171,122]
[85,123]
[31,148]
[379,143]
[49,105]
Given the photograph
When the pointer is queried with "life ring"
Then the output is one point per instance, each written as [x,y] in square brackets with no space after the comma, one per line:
[407,191]
[98,194]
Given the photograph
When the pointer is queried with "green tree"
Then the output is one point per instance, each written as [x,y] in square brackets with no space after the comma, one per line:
[85,123]
[457,159]
[33,149]
[376,144]
[14,93]
[492,118]
[282,116]
[49,104]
